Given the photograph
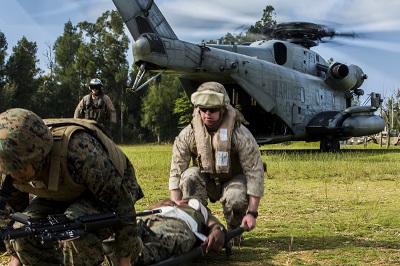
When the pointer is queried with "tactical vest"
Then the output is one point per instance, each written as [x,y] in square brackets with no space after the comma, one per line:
[235,168]
[198,217]
[95,110]
[57,184]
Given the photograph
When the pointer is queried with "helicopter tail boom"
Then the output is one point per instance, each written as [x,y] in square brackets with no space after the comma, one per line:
[143,16]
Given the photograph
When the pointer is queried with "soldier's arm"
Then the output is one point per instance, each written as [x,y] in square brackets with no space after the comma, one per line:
[79,108]
[250,161]
[90,165]
[253,169]
[250,218]
[216,234]
[110,109]
[180,161]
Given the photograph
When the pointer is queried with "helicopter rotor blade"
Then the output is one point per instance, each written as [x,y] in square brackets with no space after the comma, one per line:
[376,40]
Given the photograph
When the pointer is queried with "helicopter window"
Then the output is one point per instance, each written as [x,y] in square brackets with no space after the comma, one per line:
[143,25]
[302,95]
[318,98]
[280,53]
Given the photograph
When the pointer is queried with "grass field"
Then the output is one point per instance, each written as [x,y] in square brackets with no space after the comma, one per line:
[318,209]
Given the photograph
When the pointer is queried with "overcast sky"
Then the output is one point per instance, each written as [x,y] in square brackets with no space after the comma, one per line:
[377,53]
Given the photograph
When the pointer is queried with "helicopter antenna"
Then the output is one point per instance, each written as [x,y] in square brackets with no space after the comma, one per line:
[367,100]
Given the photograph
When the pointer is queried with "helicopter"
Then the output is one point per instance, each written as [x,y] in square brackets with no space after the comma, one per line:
[286,91]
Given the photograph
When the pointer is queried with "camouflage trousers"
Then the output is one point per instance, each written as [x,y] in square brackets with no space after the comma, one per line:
[232,194]
[162,238]
[85,251]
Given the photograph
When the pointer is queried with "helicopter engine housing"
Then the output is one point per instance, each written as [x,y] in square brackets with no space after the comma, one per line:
[341,77]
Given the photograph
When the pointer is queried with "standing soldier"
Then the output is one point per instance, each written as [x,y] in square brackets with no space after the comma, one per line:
[227,163]
[97,105]
[71,169]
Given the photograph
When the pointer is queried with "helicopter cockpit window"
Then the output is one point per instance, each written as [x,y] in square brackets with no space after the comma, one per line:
[280,53]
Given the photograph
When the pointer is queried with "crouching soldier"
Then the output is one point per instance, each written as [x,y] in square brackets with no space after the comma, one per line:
[70,169]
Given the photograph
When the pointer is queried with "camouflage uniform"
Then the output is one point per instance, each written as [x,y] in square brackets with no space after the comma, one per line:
[244,177]
[167,237]
[163,237]
[238,109]
[23,139]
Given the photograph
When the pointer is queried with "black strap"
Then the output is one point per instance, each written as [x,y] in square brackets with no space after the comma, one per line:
[5,191]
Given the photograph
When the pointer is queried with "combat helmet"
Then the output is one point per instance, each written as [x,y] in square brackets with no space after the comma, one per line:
[210,94]
[24,139]
[95,83]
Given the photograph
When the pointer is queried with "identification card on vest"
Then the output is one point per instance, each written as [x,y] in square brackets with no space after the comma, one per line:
[223,134]
[222,159]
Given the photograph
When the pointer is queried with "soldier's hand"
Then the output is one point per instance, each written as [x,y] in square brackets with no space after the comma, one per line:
[250,221]
[215,240]
[15,261]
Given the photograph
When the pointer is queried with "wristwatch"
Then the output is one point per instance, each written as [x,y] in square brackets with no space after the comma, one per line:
[254,214]
[220,227]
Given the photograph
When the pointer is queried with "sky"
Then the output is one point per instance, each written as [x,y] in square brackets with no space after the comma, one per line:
[376,49]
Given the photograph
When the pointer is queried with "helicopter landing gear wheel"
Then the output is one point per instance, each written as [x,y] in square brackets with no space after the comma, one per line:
[329,145]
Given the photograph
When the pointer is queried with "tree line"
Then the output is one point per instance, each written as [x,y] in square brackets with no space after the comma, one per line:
[85,51]
[99,50]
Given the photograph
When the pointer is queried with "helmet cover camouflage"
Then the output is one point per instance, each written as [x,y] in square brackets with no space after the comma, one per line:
[210,94]
[24,138]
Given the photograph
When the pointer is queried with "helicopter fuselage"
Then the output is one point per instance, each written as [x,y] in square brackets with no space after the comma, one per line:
[293,91]
[286,91]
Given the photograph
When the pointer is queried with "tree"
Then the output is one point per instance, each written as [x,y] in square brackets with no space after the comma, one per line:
[133,130]
[183,109]
[3,54]
[391,109]
[264,25]
[157,109]
[104,55]
[7,96]
[21,71]
[67,79]
[259,31]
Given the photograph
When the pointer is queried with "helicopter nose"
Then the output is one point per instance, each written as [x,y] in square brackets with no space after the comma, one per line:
[149,48]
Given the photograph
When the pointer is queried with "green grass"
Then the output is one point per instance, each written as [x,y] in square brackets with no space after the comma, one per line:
[318,208]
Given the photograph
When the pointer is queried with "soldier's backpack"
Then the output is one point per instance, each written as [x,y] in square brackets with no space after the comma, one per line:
[62,129]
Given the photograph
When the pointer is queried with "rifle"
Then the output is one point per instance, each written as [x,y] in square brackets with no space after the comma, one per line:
[60,228]
[200,250]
